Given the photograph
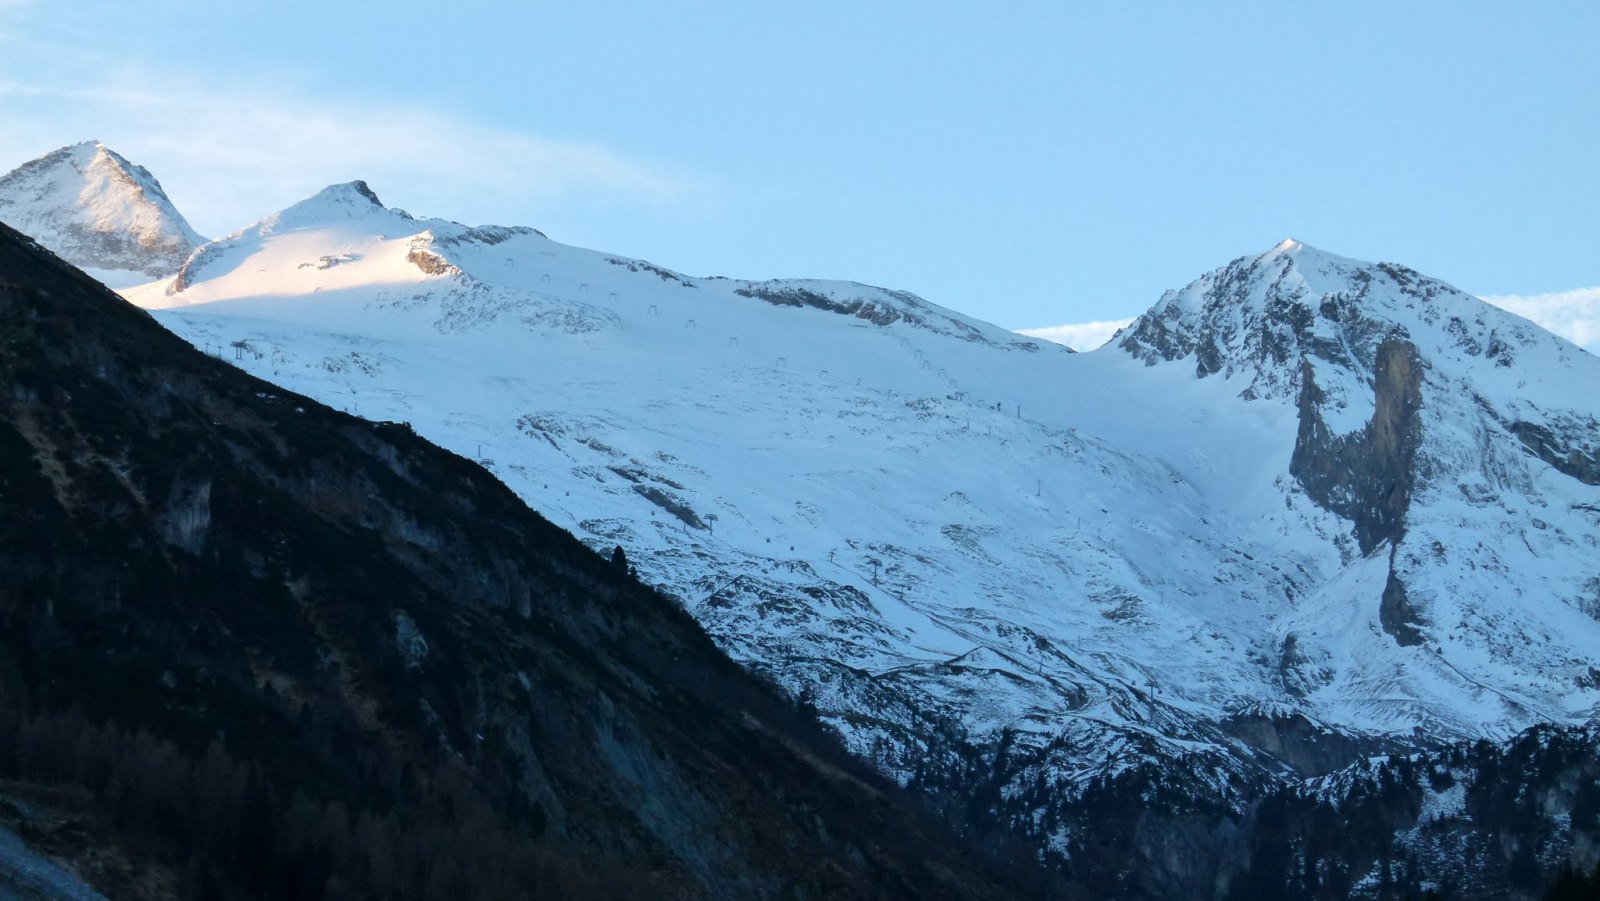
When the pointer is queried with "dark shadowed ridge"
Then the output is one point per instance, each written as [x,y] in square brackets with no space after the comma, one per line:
[253,647]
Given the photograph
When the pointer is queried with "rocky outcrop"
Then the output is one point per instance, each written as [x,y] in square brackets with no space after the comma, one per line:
[1396,614]
[430,263]
[1302,746]
[1366,477]
[1574,451]
[877,306]
[1246,317]
[188,514]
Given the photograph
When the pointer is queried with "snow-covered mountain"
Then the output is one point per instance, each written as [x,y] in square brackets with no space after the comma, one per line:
[1303,509]
[1461,443]
[99,212]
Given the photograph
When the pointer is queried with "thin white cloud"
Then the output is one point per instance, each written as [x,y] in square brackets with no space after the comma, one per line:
[229,155]
[1080,335]
[1574,315]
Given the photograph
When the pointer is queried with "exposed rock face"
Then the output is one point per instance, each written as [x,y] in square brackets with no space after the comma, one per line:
[1262,320]
[875,305]
[1296,671]
[1302,746]
[188,513]
[1255,318]
[430,263]
[1367,476]
[98,211]
[1575,451]
[1395,612]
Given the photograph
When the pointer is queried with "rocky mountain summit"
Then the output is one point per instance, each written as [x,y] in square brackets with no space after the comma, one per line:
[1457,438]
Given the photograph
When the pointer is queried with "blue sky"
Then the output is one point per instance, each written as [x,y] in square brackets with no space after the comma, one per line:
[1029,163]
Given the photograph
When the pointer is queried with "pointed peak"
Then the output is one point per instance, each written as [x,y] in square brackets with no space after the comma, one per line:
[1290,247]
[80,150]
[356,192]
[355,196]
[351,200]
[1309,262]
[99,211]
[82,155]
[97,150]
[1261,316]
[1297,249]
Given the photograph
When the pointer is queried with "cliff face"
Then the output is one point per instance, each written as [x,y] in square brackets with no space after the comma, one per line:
[303,654]
[1418,409]
[1366,476]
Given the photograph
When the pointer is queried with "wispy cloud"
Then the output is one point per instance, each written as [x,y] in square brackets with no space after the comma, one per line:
[1574,315]
[1080,335]
[230,154]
